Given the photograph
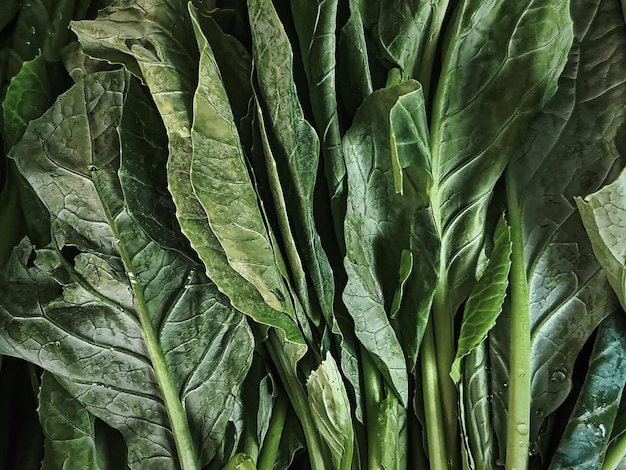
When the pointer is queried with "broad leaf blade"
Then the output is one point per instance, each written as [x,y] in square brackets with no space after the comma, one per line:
[378,226]
[155,41]
[69,429]
[155,330]
[574,138]
[478,116]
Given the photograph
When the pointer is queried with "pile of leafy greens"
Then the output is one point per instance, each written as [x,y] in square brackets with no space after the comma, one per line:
[326,234]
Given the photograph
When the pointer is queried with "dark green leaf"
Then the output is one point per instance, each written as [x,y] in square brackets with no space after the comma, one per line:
[589,428]
[157,337]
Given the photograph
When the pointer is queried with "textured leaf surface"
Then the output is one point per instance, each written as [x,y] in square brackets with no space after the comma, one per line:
[69,429]
[569,150]
[588,430]
[604,216]
[149,318]
[378,224]
[485,302]
[331,411]
[478,116]
[155,41]
[296,147]
[220,179]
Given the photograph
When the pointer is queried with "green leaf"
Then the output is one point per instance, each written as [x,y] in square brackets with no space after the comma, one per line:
[155,41]
[378,225]
[478,116]
[331,411]
[316,24]
[28,96]
[220,179]
[296,148]
[401,31]
[353,70]
[586,437]
[134,331]
[8,12]
[604,216]
[69,429]
[569,150]
[485,302]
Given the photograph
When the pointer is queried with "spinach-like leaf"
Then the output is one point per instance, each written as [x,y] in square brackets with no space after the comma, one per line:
[131,329]
[588,430]
[569,150]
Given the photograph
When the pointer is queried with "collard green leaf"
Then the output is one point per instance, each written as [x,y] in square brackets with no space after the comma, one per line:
[155,41]
[28,96]
[604,216]
[331,411]
[220,179]
[485,302]
[69,429]
[296,148]
[8,12]
[131,329]
[478,116]
[588,430]
[378,224]
[569,150]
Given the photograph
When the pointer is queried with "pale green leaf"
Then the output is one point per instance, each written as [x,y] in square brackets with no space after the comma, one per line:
[331,411]
[604,216]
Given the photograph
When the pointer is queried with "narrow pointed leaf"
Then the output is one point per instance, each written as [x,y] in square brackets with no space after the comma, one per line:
[160,353]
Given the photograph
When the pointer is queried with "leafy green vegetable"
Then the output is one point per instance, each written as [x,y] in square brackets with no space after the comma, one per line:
[269,234]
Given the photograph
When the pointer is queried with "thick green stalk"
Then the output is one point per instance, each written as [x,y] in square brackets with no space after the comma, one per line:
[178,418]
[443,324]
[615,454]
[373,392]
[432,402]
[295,391]
[269,450]
[518,424]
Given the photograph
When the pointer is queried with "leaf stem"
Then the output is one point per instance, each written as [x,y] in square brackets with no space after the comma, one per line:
[432,402]
[178,418]
[518,424]
[269,450]
[615,453]
[372,390]
[297,396]
[443,326]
